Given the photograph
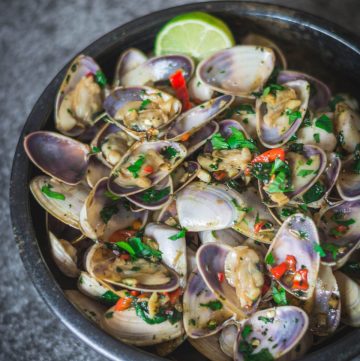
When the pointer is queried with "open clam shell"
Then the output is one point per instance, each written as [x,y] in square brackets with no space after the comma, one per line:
[127,327]
[204,314]
[350,299]
[104,213]
[184,174]
[112,143]
[158,70]
[155,197]
[298,237]
[325,316]
[89,286]
[61,157]
[196,211]
[240,70]
[210,348]
[224,236]
[320,93]
[96,170]
[127,108]
[348,182]
[277,331]
[275,135]
[198,139]
[66,121]
[140,149]
[339,231]
[327,181]
[139,275]
[89,308]
[227,339]
[240,291]
[174,250]
[258,40]
[255,212]
[195,118]
[61,200]
[129,60]
[281,214]
[198,91]
[312,161]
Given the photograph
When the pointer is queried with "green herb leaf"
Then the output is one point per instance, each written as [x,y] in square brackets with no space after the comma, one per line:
[111,195]
[269,259]
[246,331]
[136,166]
[304,172]
[178,235]
[237,140]
[213,305]
[109,297]
[319,249]
[272,88]
[279,295]
[109,314]
[287,212]
[292,115]
[169,152]
[266,319]
[95,150]
[296,147]
[152,195]
[144,104]
[245,108]
[219,142]
[316,137]
[126,247]
[315,193]
[332,248]
[46,189]
[100,78]
[143,250]
[324,122]
[107,212]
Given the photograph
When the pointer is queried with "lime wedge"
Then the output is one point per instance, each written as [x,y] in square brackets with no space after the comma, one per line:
[196,34]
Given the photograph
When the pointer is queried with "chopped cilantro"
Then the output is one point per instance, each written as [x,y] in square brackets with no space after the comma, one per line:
[109,297]
[95,150]
[293,115]
[272,88]
[269,259]
[325,123]
[213,305]
[143,250]
[153,195]
[315,193]
[246,331]
[169,152]
[178,235]
[279,295]
[107,212]
[245,108]
[304,172]
[126,247]
[100,78]
[319,249]
[332,248]
[136,166]
[46,189]
[266,319]
[316,137]
[144,104]
[218,142]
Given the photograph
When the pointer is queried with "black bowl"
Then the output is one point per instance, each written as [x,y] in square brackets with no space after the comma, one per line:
[311,44]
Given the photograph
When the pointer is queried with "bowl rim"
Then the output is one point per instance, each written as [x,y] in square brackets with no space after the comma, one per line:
[24,233]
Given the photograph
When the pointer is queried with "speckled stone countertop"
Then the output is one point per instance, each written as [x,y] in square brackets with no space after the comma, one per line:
[36,39]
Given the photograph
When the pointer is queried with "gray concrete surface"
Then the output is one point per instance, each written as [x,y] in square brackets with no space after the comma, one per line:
[36,39]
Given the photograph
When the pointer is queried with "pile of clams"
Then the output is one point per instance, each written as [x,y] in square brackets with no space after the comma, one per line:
[231,222]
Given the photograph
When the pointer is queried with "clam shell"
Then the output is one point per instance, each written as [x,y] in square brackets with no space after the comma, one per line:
[174,251]
[143,201]
[195,118]
[321,92]
[348,182]
[168,214]
[325,316]
[196,211]
[92,221]
[90,309]
[240,70]
[96,170]
[196,315]
[118,188]
[258,40]
[255,210]
[210,348]
[129,60]
[60,157]
[224,236]
[288,327]
[344,244]
[198,91]
[211,260]
[121,97]
[227,339]
[198,139]
[148,276]
[350,299]
[89,286]
[272,136]
[158,69]
[79,68]
[68,210]
[127,327]
[298,237]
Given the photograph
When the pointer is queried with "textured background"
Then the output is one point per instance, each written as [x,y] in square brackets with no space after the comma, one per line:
[36,39]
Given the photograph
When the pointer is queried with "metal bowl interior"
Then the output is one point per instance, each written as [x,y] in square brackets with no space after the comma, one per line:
[311,45]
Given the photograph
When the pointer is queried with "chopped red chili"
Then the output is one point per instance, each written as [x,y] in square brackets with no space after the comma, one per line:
[279,270]
[178,83]
[122,235]
[291,262]
[220,175]
[300,281]
[270,156]
[221,276]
